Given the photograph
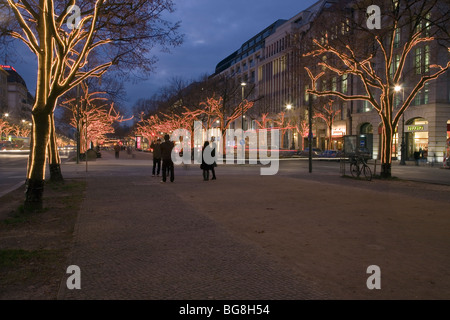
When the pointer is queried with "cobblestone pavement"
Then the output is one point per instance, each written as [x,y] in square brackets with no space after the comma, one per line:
[293,236]
[136,239]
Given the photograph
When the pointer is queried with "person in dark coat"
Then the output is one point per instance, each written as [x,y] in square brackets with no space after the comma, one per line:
[117,150]
[167,163]
[156,146]
[205,166]
[213,154]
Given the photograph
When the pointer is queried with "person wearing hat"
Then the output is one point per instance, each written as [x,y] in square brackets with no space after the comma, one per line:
[156,146]
[167,163]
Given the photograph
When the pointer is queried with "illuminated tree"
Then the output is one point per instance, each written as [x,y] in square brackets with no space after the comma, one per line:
[264,120]
[215,110]
[384,61]
[20,130]
[5,128]
[284,124]
[118,33]
[328,115]
[149,128]
[301,126]
[93,116]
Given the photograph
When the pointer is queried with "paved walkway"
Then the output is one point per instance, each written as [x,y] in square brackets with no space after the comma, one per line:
[136,240]
[247,237]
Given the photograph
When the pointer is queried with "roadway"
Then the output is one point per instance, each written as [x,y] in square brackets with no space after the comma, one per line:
[13,169]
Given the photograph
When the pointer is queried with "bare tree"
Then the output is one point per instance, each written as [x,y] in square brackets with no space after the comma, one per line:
[380,59]
[121,33]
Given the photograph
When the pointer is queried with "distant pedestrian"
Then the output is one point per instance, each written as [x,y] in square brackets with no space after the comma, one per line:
[213,154]
[156,146]
[416,157]
[205,166]
[117,150]
[167,163]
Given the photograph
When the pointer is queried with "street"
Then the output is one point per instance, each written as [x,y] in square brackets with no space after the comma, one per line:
[13,169]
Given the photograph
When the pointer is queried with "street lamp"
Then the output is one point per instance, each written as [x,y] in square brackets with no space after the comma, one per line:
[310,133]
[289,107]
[397,89]
[243,84]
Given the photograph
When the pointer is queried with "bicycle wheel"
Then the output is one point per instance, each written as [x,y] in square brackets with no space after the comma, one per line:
[367,173]
[354,169]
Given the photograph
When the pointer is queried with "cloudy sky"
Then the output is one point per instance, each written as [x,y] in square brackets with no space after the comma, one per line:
[213,29]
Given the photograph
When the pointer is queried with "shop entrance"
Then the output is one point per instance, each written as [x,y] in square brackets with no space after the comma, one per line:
[416,135]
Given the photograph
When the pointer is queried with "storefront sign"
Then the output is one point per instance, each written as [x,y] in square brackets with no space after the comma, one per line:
[416,128]
[338,131]
[138,142]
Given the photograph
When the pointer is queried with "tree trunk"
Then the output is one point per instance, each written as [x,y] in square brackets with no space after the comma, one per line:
[53,153]
[37,161]
[386,152]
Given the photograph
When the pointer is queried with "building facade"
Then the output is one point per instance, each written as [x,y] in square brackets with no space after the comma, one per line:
[3,92]
[280,89]
[19,101]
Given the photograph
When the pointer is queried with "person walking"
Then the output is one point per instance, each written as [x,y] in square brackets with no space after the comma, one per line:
[156,146]
[205,166]
[167,163]
[213,154]
[117,150]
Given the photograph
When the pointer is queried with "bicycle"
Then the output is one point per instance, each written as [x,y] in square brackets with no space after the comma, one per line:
[358,166]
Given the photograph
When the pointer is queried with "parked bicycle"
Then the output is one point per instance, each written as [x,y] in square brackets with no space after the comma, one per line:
[358,166]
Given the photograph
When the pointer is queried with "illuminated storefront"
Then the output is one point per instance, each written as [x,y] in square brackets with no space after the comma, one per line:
[337,136]
[416,132]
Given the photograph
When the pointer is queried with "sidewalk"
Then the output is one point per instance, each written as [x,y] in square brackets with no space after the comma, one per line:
[251,237]
[135,239]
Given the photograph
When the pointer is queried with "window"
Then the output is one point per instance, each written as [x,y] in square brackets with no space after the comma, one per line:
[344,84]
[397,38]
[418,61]
[334,84]
[367,106]
[426,94]
[427,58]
[427,24]
[422,60]
[417,98]
[283,63]
[394,65]
[324,60]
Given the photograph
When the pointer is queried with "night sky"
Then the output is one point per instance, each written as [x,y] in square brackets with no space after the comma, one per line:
[213,29]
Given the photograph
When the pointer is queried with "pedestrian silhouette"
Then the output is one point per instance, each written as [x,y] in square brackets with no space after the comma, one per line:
[167,163]
[213,154]
[156,146]
[205,166]
[117,150]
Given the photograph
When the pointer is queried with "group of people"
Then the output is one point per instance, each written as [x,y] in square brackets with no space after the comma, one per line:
[163,152]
